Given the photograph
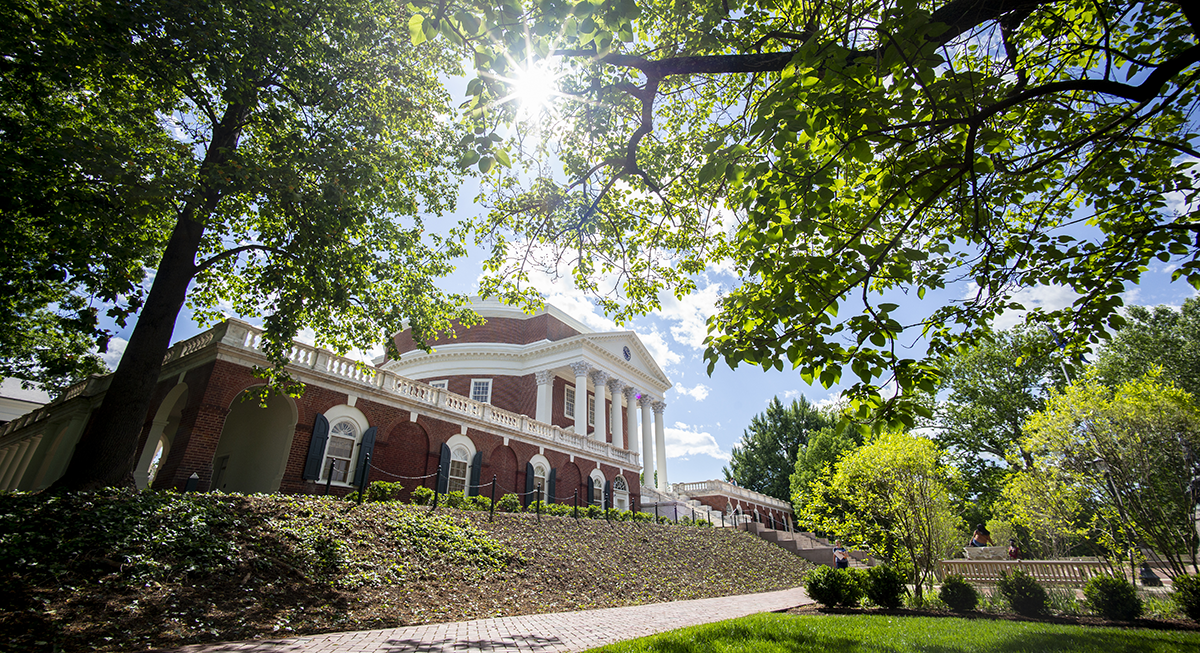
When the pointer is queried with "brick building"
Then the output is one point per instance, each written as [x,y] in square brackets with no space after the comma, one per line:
[533,401]
[504,400]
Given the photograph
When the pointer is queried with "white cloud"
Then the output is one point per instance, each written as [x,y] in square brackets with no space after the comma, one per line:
[116,349]
[1047,298]
[657,345]
[699,393]
[683,440]
[690,314]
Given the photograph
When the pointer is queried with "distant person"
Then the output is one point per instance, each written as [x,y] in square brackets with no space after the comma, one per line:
[981,537]
[1014,551]
[841,558]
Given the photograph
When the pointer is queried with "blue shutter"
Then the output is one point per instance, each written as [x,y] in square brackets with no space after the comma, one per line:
[316,449]
[550,486]
[476,464]
[528,484]
[368,446]
[591,493]
[608,502]
[443,480]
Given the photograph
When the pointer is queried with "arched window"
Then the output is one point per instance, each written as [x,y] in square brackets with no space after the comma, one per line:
[597,491]
[460,462]
[539,481]
[620,493]
[339,453]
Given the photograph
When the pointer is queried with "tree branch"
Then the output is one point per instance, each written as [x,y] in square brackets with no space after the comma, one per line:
[209,262]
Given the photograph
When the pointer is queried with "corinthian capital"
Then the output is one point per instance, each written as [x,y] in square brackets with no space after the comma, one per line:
[658,407]
[581,368]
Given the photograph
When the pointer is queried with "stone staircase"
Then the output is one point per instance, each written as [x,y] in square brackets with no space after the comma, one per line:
[814,549]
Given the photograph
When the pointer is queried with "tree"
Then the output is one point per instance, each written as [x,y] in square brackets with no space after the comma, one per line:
[816,459]
[1137,448]
[763,460]
[894,494]
[268,158]
[990,390]
[1159,336]
[835,151]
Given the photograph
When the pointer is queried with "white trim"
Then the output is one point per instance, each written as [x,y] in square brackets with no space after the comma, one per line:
[597,475]
[591,410]
[440,383]
[536,460]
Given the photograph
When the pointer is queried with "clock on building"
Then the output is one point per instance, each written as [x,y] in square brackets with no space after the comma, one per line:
[627,354]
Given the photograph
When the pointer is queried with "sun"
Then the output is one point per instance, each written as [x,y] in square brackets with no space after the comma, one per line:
[534,88]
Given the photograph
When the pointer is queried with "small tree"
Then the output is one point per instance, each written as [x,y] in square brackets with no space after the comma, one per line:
[1135,447]
[764,459]
[892,493]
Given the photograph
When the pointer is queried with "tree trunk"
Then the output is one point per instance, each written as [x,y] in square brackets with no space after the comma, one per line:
[107,452]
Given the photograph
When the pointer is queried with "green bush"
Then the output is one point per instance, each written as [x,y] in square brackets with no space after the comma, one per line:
[422,496]
[455,499]
[480,502]
[958,594]
[642,516]
[1026,596]
[1187,595]
[593,512]
[509,503]
[885,587]
[1113,598]
[383,491]
[831,587]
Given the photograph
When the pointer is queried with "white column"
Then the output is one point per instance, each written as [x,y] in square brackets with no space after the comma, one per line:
[8,480]
[6,459]
[660,445]
[581,374]
[618,424]
[631,421]
[17,480]
[600,380]
[647,443]
[545,396]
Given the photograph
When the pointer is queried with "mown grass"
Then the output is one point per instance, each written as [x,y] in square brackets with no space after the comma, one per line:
[768,633]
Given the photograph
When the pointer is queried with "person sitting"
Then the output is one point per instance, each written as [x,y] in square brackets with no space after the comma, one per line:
[841,558]
[981,537]
[1014,551]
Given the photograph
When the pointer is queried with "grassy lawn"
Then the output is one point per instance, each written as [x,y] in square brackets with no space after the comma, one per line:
[766,633]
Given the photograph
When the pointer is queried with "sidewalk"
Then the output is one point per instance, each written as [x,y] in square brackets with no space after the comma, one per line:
[537,633]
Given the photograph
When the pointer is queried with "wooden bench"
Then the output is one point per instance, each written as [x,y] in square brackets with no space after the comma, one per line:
[1075,573]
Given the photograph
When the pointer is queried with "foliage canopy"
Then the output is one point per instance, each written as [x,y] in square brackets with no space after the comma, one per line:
[837,150]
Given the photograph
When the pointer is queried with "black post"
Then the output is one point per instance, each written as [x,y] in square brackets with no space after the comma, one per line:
[437,484]
[493,515]
[192,483]
[576,504]
[362,477]
[329,479]
[538,498]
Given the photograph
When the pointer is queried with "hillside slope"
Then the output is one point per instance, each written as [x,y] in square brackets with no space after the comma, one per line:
[124,571]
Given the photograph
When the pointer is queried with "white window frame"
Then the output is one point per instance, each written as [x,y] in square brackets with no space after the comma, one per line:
[455,442]
[591,410]
[459,454]
[337,415]
[440,384]
[596,478]
[543,478]
[620,495]
[336,424]
[569,402]
[488,383]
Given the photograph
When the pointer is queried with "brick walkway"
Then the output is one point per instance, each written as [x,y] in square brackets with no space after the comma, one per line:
[538,633]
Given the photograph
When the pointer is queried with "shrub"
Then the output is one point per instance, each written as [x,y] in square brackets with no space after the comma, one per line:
[958,594]
[1113,598]
[830,587]
[1187,595]
[455,499]
[383,491]
[560,509]
[422,496]
[885,587]
[480,502]
[593,512]
[509,503]
[1026,596]
[642,516]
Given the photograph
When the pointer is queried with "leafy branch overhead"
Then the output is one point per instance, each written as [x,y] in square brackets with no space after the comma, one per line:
[838,151]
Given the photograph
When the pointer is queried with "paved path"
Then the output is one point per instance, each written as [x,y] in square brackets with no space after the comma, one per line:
[538,633]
